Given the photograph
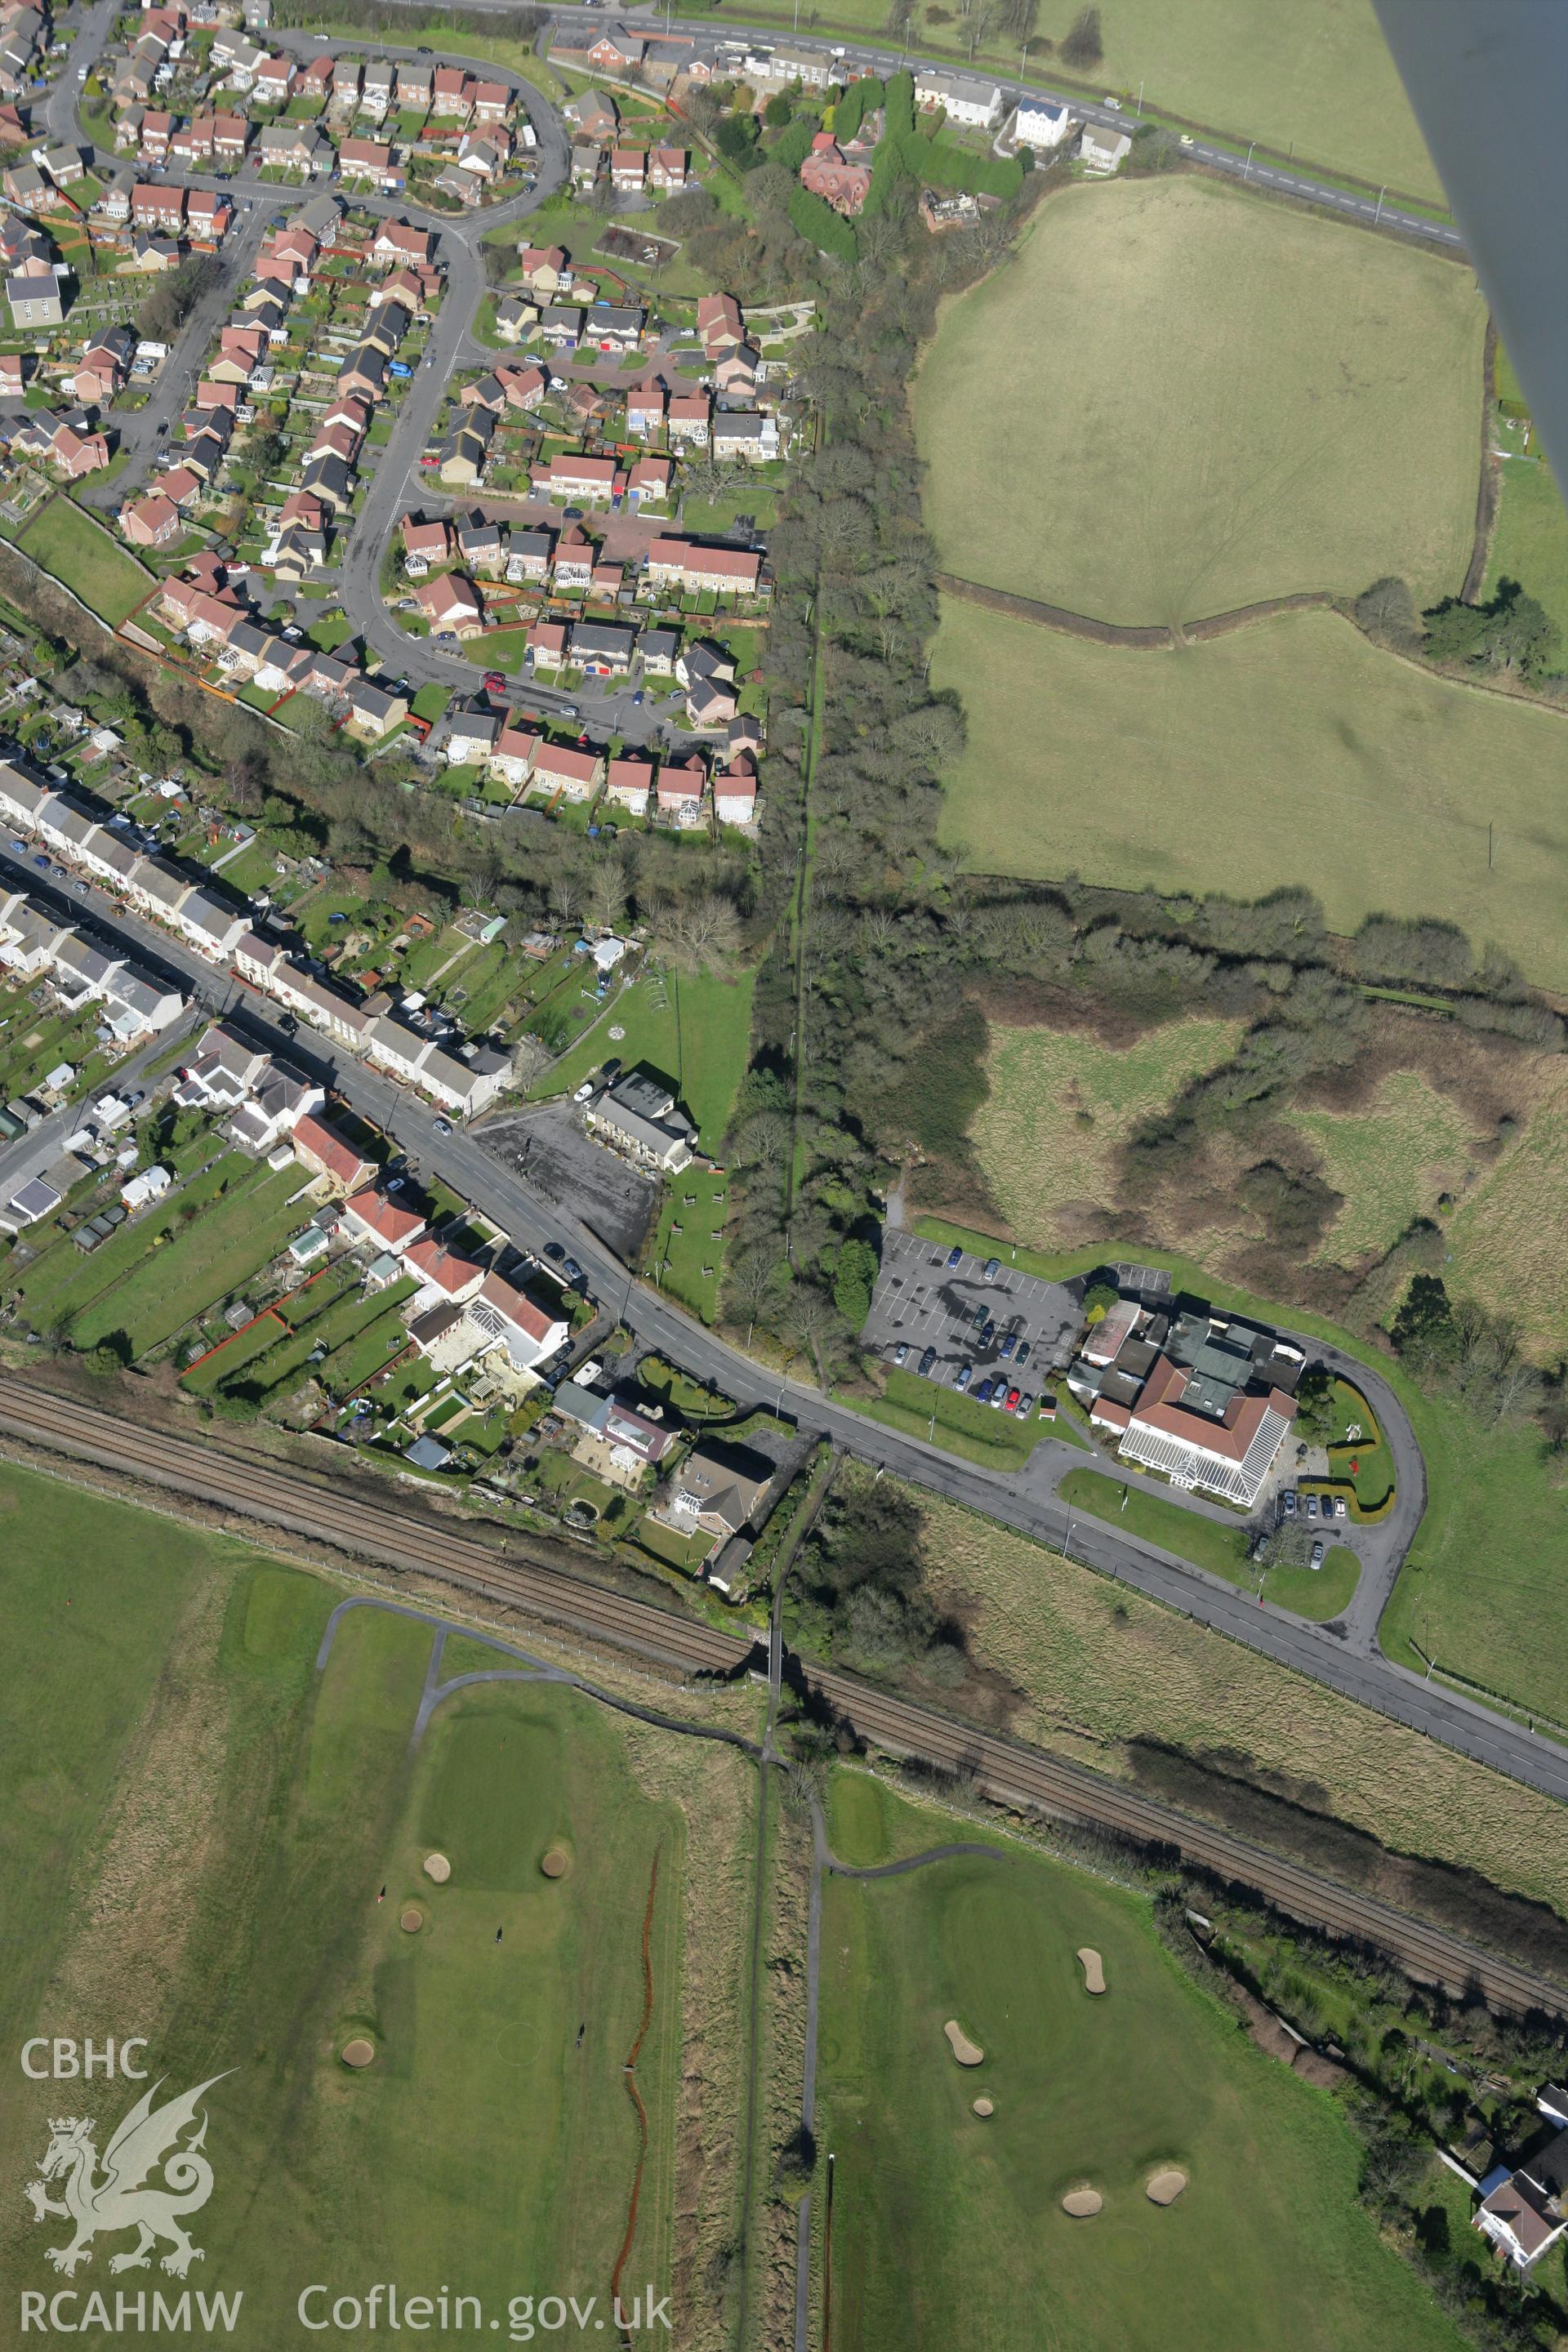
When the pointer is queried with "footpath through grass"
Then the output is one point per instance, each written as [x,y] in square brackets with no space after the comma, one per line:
[948,2229]
[1211,1544]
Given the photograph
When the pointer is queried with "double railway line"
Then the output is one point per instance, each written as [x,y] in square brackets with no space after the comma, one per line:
[1004,1770]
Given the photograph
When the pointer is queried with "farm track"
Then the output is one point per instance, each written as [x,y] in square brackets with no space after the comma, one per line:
[1158,639]
[1007,1772]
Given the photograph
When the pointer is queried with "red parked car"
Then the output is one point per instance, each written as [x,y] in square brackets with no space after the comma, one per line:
[495,682]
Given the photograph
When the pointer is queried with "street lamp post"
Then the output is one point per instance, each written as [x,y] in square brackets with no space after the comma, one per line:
[1247,173]
[1378,214]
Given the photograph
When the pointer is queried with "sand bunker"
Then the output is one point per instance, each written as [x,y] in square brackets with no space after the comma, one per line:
[984,2107]
[556,1862]
[411,1920]
[1081,2202]
[359,2052]
[438,1867]
[1093,1968]
[967,2053]
[1164,2187]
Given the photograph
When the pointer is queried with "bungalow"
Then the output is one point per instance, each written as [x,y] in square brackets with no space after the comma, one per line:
[512,755]
[151,521]
[735,792]
[564,769]
[451,602]
[961,96]
[1103,151]
[528,1333]
[682,787]
[628,782]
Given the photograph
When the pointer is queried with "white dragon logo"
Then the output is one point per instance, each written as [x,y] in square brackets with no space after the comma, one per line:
[118,2200]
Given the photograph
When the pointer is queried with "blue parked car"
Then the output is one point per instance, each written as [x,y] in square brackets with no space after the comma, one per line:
[927,1361]
[983,1393]
[1008,1344]
[955,1258]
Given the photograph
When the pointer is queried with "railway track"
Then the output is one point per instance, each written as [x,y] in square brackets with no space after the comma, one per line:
[1012,1774]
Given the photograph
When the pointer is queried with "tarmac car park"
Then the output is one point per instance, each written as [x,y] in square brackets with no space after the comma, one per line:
[961,1310]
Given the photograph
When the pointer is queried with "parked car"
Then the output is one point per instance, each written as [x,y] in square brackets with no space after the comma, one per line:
[1015,1397]
[927,1361]
[992,1269]
[901,1352]
[955,1257]
[987,1332]
[584,1091]
[1312,1507]
[1288,1502]
[573,1271]
[965,1374]
[983,1393]
[554,1250]
[981,1317]
[1025,1405]
[1318,1554]
[1342,1509]
[998,1396]
[495,681]
[1022,1357]
[443,1126]
[1008,1345]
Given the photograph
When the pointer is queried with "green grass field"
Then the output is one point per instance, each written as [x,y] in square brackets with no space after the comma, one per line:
[198,1827]
[1226,400]
[997,1440]
[697,1037]
[948,2229]
[1530,538]
[1217,1545]
[1291,752]
[1392,1161]
[216,1253]
[82,554]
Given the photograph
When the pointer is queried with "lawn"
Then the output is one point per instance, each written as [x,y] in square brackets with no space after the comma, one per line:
[1098,1668]
[82,554]
[997,1440]
[1504,1237]
[1392,1161]
[692,1027]
[265,1807]
[1113,764]
[1530,538]
[1217,1545]
[1309,421]
[688,1264]
[216,1253]
[948,2229]
[1061,1105]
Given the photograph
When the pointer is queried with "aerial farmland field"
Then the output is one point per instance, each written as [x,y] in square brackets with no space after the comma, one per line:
[1179,399]
[240,1858]
[1292,750]
[947,2224]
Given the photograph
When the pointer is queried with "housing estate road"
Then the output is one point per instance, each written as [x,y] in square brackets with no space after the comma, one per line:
[1025,1502]
[399,1539]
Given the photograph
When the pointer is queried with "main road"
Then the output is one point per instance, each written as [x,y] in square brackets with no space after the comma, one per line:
[1026,1501]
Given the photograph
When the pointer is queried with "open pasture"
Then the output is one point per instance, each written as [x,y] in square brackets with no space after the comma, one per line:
[1178,400]
[948,2227]
[234,1849]
[1290,751]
